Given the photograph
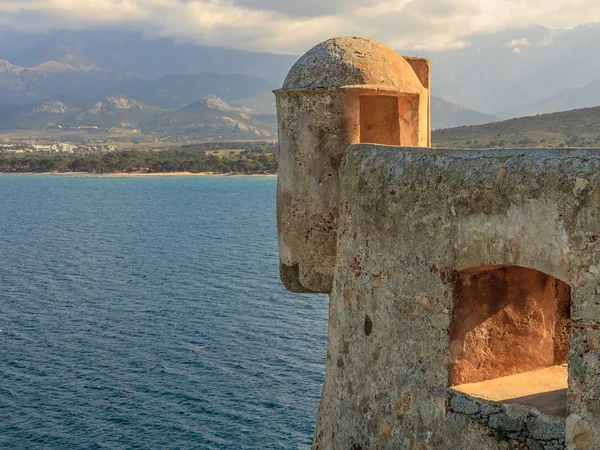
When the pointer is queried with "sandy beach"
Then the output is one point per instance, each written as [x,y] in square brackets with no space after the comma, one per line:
[143,174]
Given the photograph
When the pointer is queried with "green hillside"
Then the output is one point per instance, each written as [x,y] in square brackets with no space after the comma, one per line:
[577,128]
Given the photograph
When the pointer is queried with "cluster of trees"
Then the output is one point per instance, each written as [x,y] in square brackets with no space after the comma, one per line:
[251,147]
[182,159]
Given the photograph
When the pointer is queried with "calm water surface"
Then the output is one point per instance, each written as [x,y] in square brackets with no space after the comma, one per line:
[147,313]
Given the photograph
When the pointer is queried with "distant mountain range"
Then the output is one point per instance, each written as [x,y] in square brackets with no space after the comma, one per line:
[207,118]
[23,85]
[577,128]
[246,118]
[133,54]
[515,72]
[79,88]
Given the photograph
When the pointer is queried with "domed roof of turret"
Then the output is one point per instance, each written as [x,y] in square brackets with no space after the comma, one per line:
[353,62]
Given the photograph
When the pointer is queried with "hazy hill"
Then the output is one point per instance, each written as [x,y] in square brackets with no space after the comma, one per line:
[8,112]
[577,128]
[508,69]
[117,111]
[494,72]
[255,113]
[583,97]
[209,117]
[53,67]
[52,79]
[261,103]
[175,91]
[125,51]
[517,71]
[26,85]
[39,116]
[12,41]
[445,114]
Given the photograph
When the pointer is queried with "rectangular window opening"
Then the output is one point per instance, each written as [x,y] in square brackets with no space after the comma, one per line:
[379,120]
[510,337]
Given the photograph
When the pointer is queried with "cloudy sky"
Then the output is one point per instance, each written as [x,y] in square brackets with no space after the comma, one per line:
[290,26]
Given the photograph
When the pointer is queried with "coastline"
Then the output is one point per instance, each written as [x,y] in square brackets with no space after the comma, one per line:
[144,174]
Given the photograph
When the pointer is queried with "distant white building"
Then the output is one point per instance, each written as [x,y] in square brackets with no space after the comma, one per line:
[42,147]
[65,147]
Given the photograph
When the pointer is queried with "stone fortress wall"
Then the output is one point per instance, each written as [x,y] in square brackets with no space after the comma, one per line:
[464,285]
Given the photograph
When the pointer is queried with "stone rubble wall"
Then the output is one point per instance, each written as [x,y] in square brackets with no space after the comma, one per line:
[520,427]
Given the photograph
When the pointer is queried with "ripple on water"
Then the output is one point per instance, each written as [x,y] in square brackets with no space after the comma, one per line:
[147,313]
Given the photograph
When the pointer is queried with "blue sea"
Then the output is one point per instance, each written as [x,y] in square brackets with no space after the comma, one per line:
[147,313]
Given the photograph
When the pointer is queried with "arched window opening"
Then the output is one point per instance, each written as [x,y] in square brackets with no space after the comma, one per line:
[510,336]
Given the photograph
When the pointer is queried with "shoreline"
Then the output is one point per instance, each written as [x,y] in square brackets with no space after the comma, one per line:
[144,174]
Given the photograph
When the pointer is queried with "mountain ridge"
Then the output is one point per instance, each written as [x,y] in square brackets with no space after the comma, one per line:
[518,71]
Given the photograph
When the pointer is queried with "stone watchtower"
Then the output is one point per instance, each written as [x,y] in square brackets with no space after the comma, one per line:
[343,91]
[464,285]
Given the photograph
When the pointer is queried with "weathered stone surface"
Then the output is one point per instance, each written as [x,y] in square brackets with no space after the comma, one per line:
[593,339]
[385,432]
[442,222]
[352,61]
[332,98]
[314,130]
[512,422]
[504,422]
[403,405]
[487,409]
[535,332]
[464,405]
[516,411]
[546,427]
[579,434]
[391,232]
[534,445]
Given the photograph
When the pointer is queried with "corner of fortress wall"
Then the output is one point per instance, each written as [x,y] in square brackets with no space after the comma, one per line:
[446,269]
[414,221]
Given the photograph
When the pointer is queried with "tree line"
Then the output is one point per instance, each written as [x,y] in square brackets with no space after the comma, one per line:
[182,159]
[250,146]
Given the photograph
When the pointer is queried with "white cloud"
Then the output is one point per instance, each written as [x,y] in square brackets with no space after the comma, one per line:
[516,50]
[522,42]
[294,26]
[547,41]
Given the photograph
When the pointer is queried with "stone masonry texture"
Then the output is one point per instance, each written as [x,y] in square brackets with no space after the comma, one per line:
[411,219]
[442,266]
[319,113]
